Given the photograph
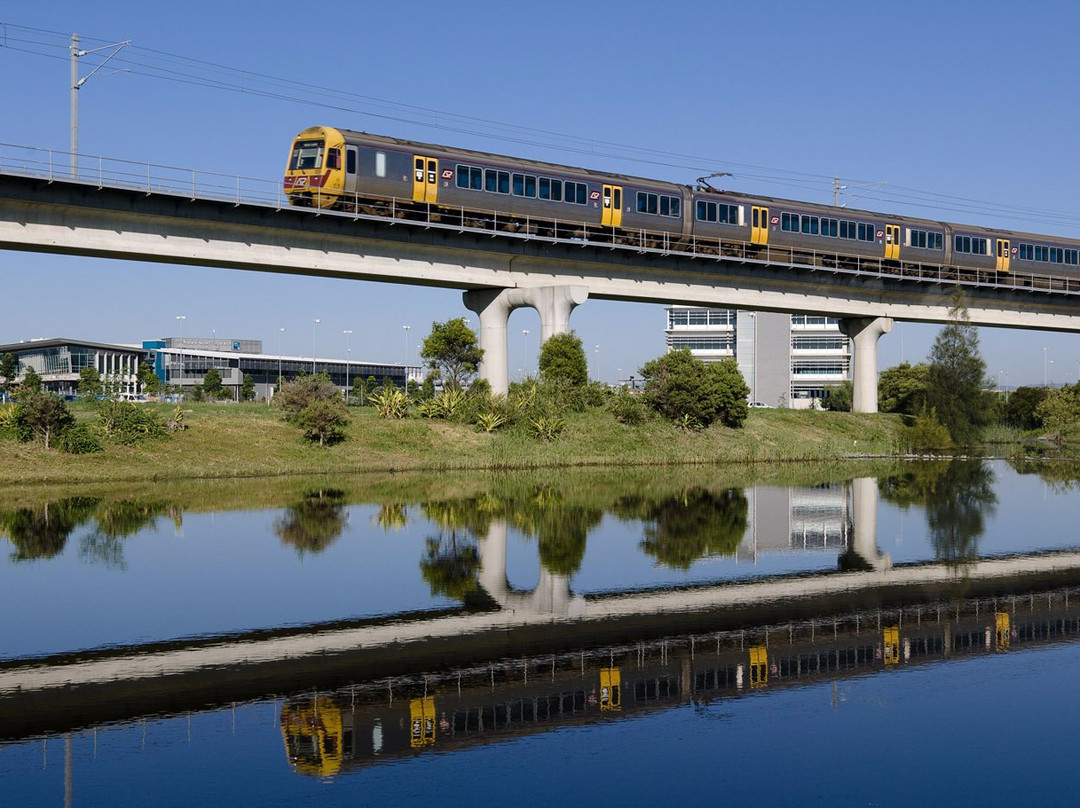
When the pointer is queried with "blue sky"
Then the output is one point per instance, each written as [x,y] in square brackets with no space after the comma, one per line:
[970,103]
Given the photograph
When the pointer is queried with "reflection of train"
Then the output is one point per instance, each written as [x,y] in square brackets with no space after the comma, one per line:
[475,706]
[372,174]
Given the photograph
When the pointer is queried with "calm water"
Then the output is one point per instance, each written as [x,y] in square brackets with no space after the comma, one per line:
[909,638]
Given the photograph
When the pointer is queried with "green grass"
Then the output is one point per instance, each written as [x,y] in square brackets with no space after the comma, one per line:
[230,441]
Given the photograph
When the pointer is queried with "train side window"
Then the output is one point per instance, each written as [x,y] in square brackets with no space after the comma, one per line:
[829,227]
[333,158]
[519,185]
[530,185]
[380,164]
[706,211]
[556,190]
[350,160]
[462,176]
[788,222]
[545,188]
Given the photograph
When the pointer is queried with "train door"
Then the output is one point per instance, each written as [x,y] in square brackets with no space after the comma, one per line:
[759,666]
[759,225]
[1002,631]
[891,651]
[425,179]
[892,242]
[352,168]
[612,214]
[1003,255]
[421,722]
[610,689]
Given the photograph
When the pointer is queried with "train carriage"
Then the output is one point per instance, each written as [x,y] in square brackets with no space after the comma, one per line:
[332,168]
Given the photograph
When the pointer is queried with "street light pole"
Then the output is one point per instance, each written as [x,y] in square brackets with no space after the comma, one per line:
[280,349]
[406,329]
[1046,368]
[317,321]
[180,319]
[526,362]
[347,332]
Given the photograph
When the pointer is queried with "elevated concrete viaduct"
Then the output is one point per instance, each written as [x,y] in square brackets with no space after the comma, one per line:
[497,271]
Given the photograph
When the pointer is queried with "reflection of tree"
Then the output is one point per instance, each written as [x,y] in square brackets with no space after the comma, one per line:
[314,523]
[392,517]
[42,532]
[116,521]
[561,535]
[957,515]
[681,529]
[957,497]
[451,564]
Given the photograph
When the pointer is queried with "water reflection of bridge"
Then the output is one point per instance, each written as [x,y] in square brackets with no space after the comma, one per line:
[366,724]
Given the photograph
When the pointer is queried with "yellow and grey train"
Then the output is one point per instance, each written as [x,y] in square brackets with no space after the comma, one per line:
[339,169]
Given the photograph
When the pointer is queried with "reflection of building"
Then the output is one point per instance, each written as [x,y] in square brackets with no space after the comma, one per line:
[784,519]
[184,362]
[786,360]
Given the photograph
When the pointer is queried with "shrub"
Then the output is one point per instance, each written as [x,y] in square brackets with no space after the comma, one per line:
[627,408]
[926,433]
[302,392]
[546,427]
[562,360]
[79,439]
[129,423]
[324,420]
[390,403]
[679,386]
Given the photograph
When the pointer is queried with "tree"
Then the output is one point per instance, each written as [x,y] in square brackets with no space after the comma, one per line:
[247,389]
[1059,411]
[902,388]
[44,414]
[451,349]
[324,420]
[562,360]
[148,380]
[957,377]
[303,391]
[9,369]
[680,386]
[212,386]
[89,383]
[1022,406]
[840,397]
[31,381]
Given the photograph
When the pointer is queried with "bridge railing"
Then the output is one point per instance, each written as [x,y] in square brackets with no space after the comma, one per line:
[55,165]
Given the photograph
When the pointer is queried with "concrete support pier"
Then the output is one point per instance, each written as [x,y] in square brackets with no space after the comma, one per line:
[552,303]
[552,595]
[863,552]
[864,333]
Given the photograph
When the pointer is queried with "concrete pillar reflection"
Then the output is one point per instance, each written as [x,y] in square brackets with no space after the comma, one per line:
[552,594]
[863,552]
[552,303]
[864,333]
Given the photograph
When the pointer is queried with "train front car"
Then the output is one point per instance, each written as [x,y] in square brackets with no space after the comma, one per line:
[315,177]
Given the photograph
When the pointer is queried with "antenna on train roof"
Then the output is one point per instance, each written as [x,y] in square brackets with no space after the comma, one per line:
[703,183]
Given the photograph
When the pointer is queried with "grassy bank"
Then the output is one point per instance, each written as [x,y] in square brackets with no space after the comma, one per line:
[228,441]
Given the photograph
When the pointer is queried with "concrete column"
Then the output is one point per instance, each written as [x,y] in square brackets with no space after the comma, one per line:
[552,303]
[864,333]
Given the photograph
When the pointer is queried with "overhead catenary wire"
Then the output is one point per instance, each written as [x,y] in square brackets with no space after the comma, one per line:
[165,66]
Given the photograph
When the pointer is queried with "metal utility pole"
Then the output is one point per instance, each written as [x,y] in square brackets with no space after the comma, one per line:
[76,83]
